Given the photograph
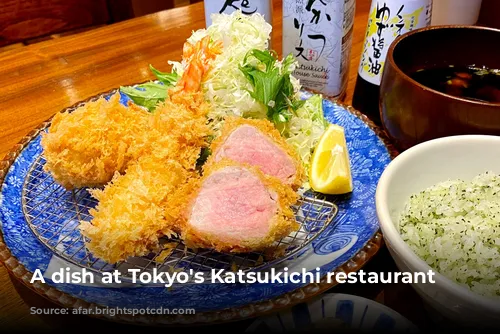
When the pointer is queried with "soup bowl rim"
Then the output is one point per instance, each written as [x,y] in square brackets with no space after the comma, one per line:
[403,74]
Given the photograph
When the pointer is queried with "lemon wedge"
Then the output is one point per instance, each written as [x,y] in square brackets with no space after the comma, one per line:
[330,170]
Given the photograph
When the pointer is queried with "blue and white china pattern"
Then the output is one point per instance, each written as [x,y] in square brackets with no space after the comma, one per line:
[335,312]
[355,224]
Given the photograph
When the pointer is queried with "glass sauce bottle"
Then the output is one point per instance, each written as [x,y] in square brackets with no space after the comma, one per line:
[319,35]
[387,20]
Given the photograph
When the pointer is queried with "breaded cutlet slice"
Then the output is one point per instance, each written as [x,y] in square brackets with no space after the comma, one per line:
[234,207]
[257,142]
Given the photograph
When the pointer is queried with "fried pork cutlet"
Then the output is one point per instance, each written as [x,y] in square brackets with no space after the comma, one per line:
[142,205]
[235,207]
[86,147]
[258,143]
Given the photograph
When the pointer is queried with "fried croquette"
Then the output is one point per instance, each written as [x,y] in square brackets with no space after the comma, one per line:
[85,148]
[131,214]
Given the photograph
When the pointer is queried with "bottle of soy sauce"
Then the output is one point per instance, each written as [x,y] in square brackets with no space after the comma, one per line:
[387,20]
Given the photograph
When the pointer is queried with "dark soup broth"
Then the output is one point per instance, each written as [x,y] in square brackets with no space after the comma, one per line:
[480,84]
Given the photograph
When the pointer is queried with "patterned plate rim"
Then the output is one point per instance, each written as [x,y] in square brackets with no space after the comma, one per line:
[262,308]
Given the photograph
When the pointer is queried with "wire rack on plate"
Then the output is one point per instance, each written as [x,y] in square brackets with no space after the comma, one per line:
[53,214]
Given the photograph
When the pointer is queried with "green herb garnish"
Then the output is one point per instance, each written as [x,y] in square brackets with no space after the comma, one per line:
[271,83]
[149,94]
[168,79]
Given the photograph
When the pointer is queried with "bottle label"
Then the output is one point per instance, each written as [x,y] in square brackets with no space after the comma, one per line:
[247,7]
[387,20]
[319,35]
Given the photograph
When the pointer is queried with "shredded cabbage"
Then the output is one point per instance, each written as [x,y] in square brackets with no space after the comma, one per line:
[229,91]
[226,87]
[305,128]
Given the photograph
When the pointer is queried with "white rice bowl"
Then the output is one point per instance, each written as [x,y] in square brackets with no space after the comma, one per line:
[454,226]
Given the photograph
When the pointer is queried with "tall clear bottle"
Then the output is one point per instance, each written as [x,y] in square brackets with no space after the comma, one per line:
[319,35]
[387,20]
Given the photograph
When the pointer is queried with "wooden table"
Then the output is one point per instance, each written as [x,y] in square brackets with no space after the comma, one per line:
[41,79]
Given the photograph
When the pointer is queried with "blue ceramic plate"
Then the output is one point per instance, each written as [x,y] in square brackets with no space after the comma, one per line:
[334,312]
[344,240]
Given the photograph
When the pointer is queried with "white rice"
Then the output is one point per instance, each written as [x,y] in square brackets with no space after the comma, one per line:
[455,227]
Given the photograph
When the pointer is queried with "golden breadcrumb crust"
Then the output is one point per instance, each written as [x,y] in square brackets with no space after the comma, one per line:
[131,215]
[282,224]
[149,161]
[178,129]
[141,206]
[267,128]
[86,147]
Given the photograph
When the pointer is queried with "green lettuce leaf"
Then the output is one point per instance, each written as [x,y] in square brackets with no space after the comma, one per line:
[147,95]
[271,83]
[169,79]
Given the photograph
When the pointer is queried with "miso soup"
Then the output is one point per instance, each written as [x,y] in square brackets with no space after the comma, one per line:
[480,84]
